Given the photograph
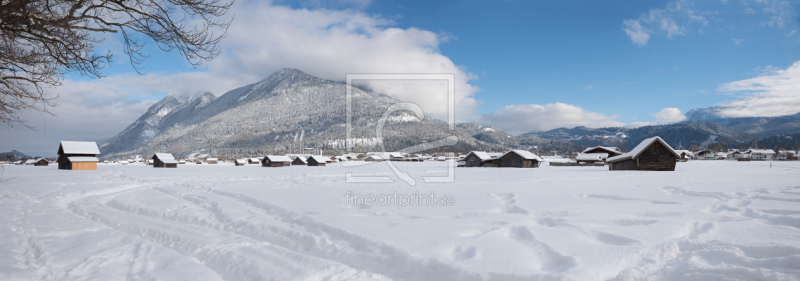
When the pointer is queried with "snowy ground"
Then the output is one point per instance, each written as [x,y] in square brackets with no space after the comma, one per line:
[708,220]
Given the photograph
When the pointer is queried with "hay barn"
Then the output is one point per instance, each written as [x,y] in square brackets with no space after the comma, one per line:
[77,155]
[316,161]
[653,154]
[276,161]
[164,160]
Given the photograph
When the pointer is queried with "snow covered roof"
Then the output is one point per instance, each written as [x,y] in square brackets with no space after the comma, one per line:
[486,155]
[212,159]
[318,158]
[30,161]
[641,148]
[374,157]
[761,151]
[164,156]
[278,158]
[240,160]
[610,149]
[689,153]
[82,159]
[527,155]
[255,159]
[591,156]
[302,159]
[79,147]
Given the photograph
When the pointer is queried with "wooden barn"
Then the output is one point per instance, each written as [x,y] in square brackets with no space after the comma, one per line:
[212,160]
[275,161]
[612,151]
[316,160]
[240,162]
[479,158]
[253,161]
[77,155]
[164,160]
[299,160]
[653,154]
[519,159]
[591,157]
[374,158]
[41,162]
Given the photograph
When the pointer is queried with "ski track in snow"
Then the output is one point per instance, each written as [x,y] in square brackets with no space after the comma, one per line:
[186,228]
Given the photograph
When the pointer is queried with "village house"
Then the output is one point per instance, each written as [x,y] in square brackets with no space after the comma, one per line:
[705,154]
[276,161]
[762,154]
[653,154]
[685,155]
[164,160]
[77,155]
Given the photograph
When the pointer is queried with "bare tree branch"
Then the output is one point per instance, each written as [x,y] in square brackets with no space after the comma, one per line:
[42,40]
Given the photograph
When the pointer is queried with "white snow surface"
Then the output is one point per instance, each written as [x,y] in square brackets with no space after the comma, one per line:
[707,220]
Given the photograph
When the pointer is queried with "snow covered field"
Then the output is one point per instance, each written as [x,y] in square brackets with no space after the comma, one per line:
[708,220]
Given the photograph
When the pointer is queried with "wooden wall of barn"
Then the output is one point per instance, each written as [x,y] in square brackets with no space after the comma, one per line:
[657,157]
[84,166]
[473,161]
[514,160]
[622,165]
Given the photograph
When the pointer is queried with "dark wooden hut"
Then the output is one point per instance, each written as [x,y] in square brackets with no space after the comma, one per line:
[299,160]
[164,160]
[479,158]
[317,160]
[41,162]
[612,151]
[240,162]
[77,155]
[653,154]
[519,159]
[275,161]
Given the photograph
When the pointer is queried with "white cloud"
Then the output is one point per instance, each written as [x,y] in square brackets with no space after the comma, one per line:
[673,20]
[669,115]
[265,38]
[737,41]
[639,35]
[523,118]
[775,92]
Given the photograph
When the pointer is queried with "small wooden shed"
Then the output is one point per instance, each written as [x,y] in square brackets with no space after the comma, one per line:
[41,162]
[253,161]
[240,162]
[164,160]
[591,157]
[276,161]
[316,160]
[212,160]
[478,158]
[299,160]
[519,159]
[77,155]
[653,154]
[611,150]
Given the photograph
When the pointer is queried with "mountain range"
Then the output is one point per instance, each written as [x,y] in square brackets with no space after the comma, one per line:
[291,111]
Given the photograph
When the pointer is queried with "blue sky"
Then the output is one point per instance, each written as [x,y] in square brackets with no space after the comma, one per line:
[576,52]
[520,65]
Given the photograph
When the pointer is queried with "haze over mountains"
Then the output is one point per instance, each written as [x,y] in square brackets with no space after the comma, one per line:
[291,110]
